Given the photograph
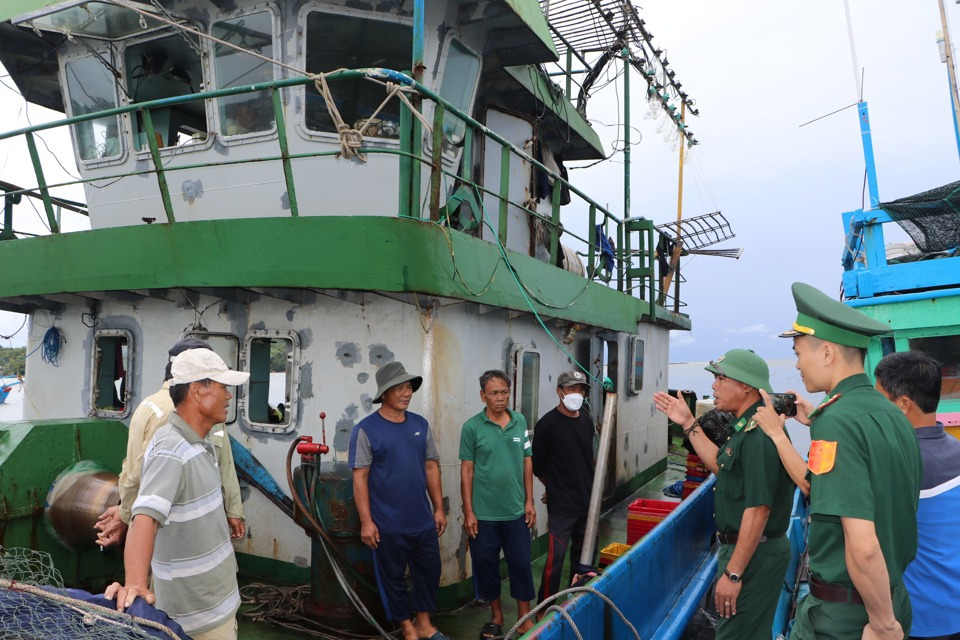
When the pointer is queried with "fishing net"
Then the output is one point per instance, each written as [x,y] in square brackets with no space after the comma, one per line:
[35,606]
[931,218]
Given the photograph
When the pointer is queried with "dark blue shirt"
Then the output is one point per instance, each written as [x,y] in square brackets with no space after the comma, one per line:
[395,453]
[933,578]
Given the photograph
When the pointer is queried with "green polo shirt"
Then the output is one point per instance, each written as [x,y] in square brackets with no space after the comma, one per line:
[875,476]
[498,455]
[751,475]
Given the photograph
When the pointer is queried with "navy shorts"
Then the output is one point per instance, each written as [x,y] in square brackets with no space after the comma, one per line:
[513,537]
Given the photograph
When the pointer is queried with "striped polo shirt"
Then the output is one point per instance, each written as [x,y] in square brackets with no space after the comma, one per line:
[194,568]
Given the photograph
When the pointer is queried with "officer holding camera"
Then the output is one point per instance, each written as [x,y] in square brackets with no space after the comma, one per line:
[862,475]
[752,500]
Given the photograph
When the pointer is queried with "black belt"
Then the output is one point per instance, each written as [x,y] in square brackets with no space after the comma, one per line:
[833,592]
[731,538]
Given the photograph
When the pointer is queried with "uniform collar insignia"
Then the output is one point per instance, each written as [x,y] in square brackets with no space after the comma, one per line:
[750,425]
[823,405]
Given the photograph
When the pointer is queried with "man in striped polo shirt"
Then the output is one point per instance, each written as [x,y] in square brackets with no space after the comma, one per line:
[179,528]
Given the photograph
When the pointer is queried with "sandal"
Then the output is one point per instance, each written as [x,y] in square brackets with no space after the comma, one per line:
[491,630]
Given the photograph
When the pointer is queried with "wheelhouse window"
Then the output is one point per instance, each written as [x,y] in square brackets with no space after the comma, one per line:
[164,68]
[946,349]
[227,346]
[92,87]
[111,373]
[459,81]
[340,41]
[249,112]
[273,359]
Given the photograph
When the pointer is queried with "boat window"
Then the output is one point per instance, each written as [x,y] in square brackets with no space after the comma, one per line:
[164,68]
[636,374]
[611,363]
[248,112]
[527,399]
[273,359]
[337,41]
[459,80]
[227,346]
[91,19]
[946,349]
[110,390]
[92,87]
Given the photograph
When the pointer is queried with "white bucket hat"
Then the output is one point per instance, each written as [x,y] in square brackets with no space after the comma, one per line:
[202,364]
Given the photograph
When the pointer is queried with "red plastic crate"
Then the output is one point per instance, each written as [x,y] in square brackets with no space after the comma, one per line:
[645,506]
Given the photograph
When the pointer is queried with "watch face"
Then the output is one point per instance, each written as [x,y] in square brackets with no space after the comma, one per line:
[733,577]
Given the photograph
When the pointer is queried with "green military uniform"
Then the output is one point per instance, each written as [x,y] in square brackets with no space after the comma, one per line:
[864,463]
[752,475]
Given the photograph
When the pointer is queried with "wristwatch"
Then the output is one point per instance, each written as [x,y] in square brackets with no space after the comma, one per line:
[735,578]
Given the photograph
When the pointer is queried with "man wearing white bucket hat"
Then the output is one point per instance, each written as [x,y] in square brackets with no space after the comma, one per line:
[191,557]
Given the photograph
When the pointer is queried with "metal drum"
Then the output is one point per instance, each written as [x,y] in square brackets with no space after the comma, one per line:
[78,496]
[331,501]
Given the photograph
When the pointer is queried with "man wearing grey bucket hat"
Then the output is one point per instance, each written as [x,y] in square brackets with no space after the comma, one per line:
[753,496]
[395,468]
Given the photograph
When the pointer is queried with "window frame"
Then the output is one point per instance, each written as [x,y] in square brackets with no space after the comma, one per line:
[144,152]
[519,385]
[452,150]
[95,374]
[292,383]
[111,53]
[301,91]
[632,387]
[213,106]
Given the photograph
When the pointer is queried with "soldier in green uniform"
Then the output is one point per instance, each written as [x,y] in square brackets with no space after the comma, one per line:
[752,500]
[862,475]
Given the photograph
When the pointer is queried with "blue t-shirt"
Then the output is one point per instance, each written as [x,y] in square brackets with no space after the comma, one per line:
[933,578]
[395,453]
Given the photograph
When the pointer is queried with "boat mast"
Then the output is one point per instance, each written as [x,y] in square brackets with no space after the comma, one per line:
[947,56]
[865,135]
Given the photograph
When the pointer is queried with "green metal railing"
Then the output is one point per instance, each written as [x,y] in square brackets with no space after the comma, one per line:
[634,259]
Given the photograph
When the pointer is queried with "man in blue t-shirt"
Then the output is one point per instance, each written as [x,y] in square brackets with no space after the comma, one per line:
[395,467]
[912,381]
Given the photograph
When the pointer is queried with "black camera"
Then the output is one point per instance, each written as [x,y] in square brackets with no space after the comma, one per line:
[784,403]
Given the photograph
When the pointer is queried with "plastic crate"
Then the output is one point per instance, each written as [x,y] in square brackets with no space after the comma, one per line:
[611,552]
[645,506]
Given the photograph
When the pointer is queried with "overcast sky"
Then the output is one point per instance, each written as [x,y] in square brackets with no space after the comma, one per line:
[758,70]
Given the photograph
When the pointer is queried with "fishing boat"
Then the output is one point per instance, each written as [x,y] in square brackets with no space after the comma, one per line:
[317,189]
[6,388]
[912,286]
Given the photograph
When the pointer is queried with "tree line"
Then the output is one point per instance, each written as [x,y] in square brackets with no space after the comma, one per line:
[12,360]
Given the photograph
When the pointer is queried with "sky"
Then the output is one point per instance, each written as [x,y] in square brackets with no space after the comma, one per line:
[758,71]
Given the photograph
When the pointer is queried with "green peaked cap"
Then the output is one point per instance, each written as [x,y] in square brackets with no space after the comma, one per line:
[821,316]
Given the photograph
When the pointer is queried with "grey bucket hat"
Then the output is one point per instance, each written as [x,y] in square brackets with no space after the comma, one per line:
[392,374]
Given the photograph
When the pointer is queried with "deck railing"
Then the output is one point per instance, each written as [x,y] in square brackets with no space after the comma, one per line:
[632,240]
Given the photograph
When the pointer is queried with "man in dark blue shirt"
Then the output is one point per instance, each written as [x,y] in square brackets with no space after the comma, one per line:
[912,380]
[395,467]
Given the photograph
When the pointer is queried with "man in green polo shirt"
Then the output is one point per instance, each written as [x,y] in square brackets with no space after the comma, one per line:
[862,475]
[752,499]
[496,483]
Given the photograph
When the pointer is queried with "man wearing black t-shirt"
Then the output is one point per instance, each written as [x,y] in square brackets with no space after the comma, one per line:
[563,461]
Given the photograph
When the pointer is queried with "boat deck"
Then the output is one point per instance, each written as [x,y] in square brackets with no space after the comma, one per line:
[465,623]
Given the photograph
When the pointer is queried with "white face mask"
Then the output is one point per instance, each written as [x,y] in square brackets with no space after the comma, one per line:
[573,401]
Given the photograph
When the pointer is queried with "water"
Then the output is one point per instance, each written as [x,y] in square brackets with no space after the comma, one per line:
[784,377]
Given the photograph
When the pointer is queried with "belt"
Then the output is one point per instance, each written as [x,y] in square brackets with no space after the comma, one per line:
[833,592]
[731,538]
